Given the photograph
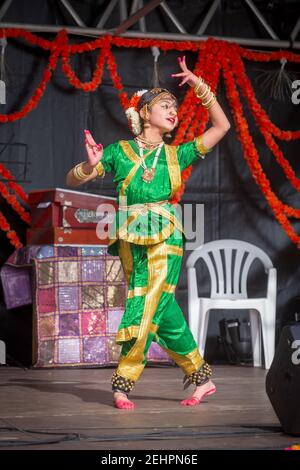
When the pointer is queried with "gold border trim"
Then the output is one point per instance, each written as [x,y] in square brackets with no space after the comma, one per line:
[126,258]
[200,145]
[188,363]
[168,215]
[173,168]
[132,365]
[139,291]
[132,156]
[174,250]
[126,334]
[100,168]
[169,288]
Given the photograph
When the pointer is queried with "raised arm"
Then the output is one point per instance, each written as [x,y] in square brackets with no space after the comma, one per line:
[86,171]
[220,123]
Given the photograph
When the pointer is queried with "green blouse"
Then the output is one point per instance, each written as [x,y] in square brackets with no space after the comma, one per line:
[144,224]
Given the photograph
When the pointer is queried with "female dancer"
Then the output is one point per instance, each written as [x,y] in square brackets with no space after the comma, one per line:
[147,233]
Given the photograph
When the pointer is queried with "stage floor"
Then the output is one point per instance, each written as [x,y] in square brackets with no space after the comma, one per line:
[77,404]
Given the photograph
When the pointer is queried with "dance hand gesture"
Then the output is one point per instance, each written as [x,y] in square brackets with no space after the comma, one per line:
[94,151]
[187,76]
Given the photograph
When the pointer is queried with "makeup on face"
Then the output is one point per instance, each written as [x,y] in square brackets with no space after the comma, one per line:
[171,107]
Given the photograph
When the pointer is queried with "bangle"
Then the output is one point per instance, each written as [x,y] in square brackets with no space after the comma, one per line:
[79,173]
[209,100]
[200,82]
[205,93]
[208,107]
[207,97]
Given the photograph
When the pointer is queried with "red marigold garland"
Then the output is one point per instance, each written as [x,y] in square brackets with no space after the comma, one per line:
[267,128]
[193,118]
[256,108]
[116,79]
[95,82]
[11,234]
[251,154]
[192,106]
[12,200]
[6,174]
[33,102]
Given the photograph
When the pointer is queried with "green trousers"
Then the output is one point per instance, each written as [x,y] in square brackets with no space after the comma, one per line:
[152,312]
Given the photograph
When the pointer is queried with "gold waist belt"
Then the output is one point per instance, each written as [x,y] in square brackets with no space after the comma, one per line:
[144,205]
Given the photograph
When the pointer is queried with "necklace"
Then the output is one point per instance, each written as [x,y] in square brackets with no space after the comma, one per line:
[148,174]
[148,142]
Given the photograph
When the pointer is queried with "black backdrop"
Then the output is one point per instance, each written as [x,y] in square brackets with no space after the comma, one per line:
[52,135]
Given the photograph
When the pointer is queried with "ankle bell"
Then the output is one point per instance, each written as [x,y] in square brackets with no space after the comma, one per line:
[121,384]
[200,377]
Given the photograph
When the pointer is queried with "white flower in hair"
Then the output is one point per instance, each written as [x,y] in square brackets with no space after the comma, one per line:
[141,92]
[132,113]
[133,120]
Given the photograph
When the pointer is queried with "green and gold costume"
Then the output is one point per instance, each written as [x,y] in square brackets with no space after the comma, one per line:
[147,235]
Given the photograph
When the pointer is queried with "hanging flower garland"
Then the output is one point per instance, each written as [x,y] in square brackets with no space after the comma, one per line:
[14,203]
[191,107]
[6,175]
[95,82]
[190,102]
[266,129]
[116,79]
[39,92]
[29,37]
[251,154]
[11,234]
[193,118]
[208,67]
[256,108]
[267,56]
[60,46]
[210,71]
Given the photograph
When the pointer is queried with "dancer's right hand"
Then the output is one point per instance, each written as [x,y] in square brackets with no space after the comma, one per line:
[94,151]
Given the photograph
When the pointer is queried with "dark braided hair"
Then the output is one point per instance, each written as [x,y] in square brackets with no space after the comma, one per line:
[149,96]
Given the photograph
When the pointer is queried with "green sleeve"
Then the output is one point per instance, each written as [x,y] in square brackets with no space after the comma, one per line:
[191,151]
[108,161]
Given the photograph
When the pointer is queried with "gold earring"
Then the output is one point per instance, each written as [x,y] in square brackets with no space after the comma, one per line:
[146,121]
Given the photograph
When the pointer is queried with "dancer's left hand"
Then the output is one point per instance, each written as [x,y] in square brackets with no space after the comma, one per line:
[187,76]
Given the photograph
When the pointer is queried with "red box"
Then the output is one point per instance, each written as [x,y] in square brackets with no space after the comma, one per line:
[64,236]
[65,208]
[66,217]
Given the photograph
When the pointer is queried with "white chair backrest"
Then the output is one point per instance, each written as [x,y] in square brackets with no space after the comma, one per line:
[224,284]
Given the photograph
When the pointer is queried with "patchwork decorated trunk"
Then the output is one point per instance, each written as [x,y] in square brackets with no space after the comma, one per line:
[79,300]
[61,216]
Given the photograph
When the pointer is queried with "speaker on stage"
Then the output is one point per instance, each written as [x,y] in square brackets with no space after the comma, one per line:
[283,379]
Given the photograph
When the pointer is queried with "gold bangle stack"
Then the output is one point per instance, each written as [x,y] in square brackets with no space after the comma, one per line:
[79,173]
[207,93]
[200,82]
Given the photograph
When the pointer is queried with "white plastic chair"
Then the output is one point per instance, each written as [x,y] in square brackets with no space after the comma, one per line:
[233,293]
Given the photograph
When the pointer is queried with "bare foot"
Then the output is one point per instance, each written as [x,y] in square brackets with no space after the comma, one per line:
[122,402]
[200,392]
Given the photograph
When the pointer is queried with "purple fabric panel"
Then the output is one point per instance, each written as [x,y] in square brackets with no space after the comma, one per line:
[95,350]
[156,353]
[16,283]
